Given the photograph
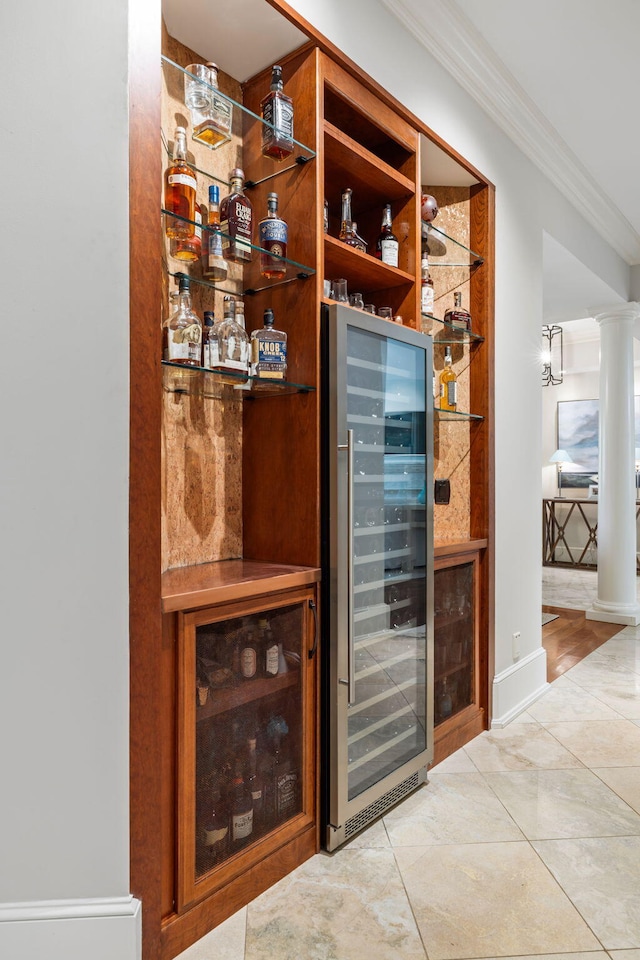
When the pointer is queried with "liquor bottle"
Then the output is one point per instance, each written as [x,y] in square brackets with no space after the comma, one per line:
[212,125]
[214,266]
[255,782]
[209,340]
[325,220]
[236,214]
[346,226]
[351,237]
[387,246]
[426,288]
[277,112]
[273,233]
[188,249]
[215,828]
[269,648]
[180,190]
[241,808]
[284,775]
[360,244]
[269,350]
[448,384]
[251,661]
[458,316]
[182,331]
[233,344]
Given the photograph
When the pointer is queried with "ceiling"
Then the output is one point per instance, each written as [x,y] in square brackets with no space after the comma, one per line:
[561,78]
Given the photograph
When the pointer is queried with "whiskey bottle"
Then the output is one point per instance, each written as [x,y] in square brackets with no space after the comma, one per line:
[209,341]
[251,665]
[241,808]
[387,246]
[212,124]
[215,829]
[180,191]
[233,344]
[360,243]
[255,782]
[426,288]
[448,384]
[269,350]
[347,233]
[188,249]
[458,316]
[284,787]
[269,648]
[277,113]
[214,265]
[236,214]
[182,331]
[273,232]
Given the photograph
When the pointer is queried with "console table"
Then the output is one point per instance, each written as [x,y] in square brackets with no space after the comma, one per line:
[569,532]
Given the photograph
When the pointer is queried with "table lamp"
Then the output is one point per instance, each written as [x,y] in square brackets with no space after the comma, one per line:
[562,459]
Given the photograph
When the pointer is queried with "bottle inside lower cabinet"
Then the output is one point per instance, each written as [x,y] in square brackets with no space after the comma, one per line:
[243,787]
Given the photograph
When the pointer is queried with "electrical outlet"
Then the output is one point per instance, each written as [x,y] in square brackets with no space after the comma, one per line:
[515,641]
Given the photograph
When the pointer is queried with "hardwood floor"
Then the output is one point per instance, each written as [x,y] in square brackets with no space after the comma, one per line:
[571,637]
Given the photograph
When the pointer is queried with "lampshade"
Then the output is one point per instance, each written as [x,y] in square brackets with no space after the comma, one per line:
[560,456]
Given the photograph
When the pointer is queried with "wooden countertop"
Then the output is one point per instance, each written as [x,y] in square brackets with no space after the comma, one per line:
[444,549]
[185,588]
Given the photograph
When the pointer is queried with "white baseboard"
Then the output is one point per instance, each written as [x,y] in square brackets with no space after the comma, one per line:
[517,687]
[105,928]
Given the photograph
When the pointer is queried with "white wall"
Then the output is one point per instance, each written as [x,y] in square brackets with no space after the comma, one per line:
[63,508]
[526,204]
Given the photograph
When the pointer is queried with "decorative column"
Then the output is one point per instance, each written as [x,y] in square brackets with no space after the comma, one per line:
[616,600]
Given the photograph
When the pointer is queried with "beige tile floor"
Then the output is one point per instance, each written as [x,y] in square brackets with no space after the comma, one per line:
[525,843]
[574,589]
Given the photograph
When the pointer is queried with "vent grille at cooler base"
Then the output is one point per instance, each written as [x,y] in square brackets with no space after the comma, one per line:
[375,809]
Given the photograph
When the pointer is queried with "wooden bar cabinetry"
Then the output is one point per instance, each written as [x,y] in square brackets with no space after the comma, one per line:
[459,712]
[226,492]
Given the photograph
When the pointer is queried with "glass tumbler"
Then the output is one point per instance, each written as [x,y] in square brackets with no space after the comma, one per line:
[339,291]
[356,300]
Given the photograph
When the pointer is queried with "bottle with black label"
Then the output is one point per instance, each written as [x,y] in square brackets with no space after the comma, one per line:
[236,219]
[269,350]
[277,112]
[273,233]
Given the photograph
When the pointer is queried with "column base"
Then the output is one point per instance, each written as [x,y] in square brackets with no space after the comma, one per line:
[626,613]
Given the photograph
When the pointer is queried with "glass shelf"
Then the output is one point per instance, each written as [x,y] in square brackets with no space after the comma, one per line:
[301,153]
[200,381]
[452,334]
[294,270]
[460,256]
[455,415]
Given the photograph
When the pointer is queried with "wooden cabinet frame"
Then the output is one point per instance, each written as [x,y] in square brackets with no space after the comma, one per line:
[190,890]
[153,701]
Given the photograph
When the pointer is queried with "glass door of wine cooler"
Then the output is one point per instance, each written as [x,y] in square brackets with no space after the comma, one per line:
[244,736]
[380,569]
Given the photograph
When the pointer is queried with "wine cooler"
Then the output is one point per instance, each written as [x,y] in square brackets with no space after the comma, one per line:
[377,567]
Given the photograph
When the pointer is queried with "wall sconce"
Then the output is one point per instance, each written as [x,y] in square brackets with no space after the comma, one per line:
[552,359]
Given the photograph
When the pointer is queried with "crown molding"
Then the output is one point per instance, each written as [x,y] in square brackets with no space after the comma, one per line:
[448,35]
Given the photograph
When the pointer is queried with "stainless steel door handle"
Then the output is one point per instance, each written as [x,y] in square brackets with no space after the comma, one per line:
[351,663]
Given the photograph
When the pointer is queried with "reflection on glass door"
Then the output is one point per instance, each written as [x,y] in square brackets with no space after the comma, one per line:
[386,409]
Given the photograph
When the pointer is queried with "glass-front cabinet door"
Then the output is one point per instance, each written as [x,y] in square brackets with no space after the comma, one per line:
[455,648]
[386,415]
[245,735]
[380,534]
